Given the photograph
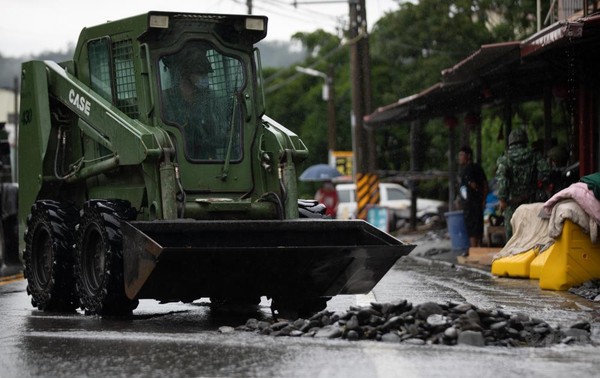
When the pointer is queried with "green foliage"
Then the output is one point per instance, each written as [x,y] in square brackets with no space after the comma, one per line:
[492,137]
[295,99]
[511,20]
[420,40]
[316,42]
[409,49]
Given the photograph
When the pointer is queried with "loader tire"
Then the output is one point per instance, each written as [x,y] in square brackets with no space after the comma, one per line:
[48,256]
[99,258]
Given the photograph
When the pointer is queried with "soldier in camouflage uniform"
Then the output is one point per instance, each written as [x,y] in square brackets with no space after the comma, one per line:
[519,172]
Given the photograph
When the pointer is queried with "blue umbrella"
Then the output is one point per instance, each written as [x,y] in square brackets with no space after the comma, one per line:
[319,172]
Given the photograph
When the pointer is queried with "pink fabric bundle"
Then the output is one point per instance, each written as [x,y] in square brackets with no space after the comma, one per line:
[579,193]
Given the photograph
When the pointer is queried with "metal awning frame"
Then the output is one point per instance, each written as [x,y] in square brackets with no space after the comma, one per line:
[493,72]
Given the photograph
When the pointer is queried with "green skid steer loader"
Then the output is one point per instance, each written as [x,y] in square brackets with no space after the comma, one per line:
[148,170]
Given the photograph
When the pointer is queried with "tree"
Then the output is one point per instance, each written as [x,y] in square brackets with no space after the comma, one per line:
[295,99]
[510,20]
[409,49]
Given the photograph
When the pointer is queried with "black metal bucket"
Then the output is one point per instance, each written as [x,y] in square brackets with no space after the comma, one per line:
[183,260]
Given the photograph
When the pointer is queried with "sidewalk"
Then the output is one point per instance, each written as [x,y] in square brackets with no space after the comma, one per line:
[432,244]
[435,244]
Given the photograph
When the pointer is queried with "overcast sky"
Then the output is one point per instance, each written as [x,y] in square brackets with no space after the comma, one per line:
[33,26]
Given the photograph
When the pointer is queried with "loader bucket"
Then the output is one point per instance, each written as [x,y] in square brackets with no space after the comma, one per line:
[183,260]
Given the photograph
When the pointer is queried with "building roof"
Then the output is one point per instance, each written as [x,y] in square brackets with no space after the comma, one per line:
[518,70]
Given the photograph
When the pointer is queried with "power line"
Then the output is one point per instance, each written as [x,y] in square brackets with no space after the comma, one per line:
[309,13]
[287,10]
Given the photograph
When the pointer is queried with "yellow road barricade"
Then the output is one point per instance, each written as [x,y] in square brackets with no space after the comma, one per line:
[572,261]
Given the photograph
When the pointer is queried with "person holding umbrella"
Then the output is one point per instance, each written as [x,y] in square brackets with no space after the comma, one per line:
[327,195]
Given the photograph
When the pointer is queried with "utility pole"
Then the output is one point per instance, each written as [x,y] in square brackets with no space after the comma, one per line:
[249,4]
[329,96]
[332,135]
[363,143]
[367,183]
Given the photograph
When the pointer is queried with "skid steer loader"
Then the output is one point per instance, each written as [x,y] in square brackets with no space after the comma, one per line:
[148,170]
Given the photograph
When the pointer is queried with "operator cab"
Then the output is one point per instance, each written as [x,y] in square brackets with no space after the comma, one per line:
[200,91]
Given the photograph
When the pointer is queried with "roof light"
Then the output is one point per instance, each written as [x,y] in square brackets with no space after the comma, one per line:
[255,24]
[158,21]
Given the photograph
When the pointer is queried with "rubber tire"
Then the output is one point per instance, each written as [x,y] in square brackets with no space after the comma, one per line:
[99,258]
[48,256]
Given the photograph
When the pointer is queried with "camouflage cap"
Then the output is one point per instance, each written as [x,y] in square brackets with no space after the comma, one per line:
[517,136]
[193,61]
[189,61]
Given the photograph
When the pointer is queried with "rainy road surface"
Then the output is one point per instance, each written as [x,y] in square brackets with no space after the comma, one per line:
[182,340]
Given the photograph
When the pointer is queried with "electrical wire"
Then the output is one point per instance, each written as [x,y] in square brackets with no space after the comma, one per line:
[290,12]
[310,14]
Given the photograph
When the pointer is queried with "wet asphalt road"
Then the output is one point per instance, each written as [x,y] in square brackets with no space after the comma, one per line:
[182,340]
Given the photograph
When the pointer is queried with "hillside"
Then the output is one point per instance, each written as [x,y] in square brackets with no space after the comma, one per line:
[274,54]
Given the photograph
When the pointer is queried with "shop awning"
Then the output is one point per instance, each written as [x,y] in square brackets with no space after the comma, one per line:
[514,70]
[459,88]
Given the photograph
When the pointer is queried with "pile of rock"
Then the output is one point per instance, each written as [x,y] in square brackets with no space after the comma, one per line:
[589,290]
[427,323]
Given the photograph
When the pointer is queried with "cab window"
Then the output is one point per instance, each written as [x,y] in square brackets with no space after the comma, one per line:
[200,95]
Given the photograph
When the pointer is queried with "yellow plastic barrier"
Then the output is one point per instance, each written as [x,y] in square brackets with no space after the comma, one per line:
[574,260]
[515,265]
[535,268]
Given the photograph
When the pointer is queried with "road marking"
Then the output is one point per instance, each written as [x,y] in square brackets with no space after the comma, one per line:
[10,279]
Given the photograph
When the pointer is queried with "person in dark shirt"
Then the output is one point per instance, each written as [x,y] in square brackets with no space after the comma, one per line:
[473,193]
